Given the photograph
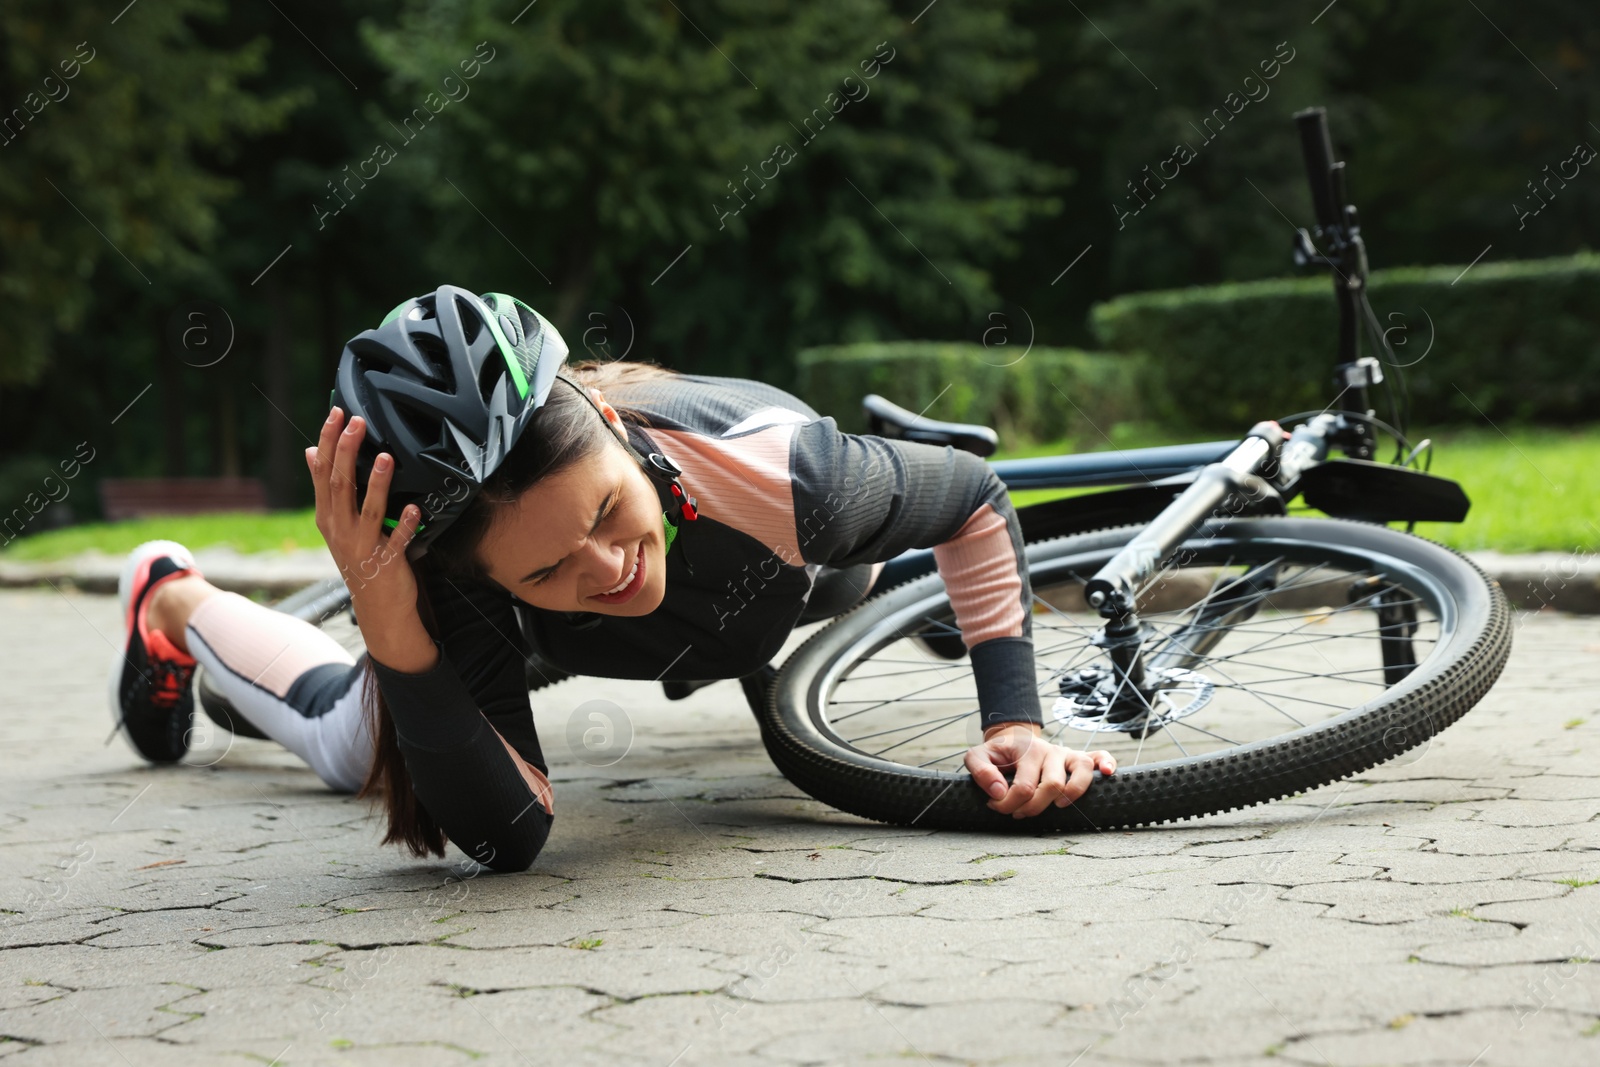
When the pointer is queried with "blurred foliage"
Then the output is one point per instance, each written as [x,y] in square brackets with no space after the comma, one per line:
[1027,395]
[102,183]
[233,154]
[820,174]
[1517,341]
[1442,120]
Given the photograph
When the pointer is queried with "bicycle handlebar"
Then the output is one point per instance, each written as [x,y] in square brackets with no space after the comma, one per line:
[1343,251]
[1317,148]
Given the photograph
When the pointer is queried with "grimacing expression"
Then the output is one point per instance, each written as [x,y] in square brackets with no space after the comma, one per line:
[577,533]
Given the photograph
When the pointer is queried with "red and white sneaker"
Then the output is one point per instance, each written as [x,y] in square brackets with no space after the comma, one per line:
[152,700]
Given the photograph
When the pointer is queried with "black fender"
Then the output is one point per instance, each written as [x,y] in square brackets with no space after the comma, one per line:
[1381,492]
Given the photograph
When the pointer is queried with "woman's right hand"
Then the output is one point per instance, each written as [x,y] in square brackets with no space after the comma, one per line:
[1045,773]
[373,563]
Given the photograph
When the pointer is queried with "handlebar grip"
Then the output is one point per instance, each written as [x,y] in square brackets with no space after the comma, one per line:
[1317,148]
[1336,175]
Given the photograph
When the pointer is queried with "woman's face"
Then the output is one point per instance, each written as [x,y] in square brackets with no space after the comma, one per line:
[576,536]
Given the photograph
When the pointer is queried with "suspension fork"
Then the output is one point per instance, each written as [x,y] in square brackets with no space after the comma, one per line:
[1114,589]
[1397,625]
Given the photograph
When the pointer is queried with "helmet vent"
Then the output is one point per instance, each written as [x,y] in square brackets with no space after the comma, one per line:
[421,426]
[471,324]
[436,355]
[493,371]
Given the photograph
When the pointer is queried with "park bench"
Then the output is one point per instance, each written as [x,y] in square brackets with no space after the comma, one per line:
[128,498]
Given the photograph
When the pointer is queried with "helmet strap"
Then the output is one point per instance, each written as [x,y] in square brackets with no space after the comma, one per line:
[581,391]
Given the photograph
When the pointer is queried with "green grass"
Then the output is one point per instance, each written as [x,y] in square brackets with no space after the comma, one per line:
[1532,489]
[242,531]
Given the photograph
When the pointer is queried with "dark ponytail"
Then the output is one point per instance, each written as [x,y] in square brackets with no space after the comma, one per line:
[564,432]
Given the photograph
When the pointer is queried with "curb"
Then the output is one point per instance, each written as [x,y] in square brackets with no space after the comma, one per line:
[273,575]
[1562,581]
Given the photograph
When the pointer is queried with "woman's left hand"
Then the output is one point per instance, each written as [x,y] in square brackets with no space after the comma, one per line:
[1044,773]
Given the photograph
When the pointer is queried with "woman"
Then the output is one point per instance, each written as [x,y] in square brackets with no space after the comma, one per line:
[642,524]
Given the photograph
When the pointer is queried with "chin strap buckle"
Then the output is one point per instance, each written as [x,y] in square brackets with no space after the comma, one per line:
[670,470]
[661,467]
[685,503]
[663,464]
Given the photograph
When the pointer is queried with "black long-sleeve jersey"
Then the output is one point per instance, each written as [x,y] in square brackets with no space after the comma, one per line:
[780,491]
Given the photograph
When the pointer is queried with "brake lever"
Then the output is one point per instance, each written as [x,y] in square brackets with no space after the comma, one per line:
[1305,253]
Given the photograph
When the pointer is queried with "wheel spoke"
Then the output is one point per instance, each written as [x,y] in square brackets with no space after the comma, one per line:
[1195,609]
[892,700]
[948,628]
[1350,677]
[1057,672]
[937,726]
[1068,619]
[1273,592]
[1370,636]
[937,723]
[1302,700]
[1309,618]
[1296,655]
[1201,729]
[890,674]
[1174,738]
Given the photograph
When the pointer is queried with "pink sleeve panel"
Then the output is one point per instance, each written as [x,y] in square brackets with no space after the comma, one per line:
[741,482]
[979,567]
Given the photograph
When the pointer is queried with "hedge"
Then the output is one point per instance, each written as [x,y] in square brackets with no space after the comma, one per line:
[1516,341]
[1047,394]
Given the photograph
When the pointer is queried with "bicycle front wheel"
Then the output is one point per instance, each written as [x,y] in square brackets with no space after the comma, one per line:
[1281,654]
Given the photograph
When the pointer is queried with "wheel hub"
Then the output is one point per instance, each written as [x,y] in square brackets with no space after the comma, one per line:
[1091,699]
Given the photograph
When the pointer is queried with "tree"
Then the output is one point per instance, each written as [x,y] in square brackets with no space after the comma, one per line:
[734,181]
[1442,119]
[97,156]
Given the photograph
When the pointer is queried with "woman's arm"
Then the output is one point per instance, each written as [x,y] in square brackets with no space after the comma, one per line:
[485,797]
[466,730]
[476,783]
[863,499]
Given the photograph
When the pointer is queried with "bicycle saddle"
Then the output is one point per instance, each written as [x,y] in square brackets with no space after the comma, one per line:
[893,421]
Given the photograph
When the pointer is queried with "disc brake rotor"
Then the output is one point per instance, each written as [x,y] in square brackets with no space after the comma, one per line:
[1088,696]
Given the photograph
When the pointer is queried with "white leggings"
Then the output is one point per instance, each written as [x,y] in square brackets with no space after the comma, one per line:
[296,684]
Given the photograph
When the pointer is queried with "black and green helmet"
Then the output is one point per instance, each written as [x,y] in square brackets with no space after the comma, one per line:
[446,383]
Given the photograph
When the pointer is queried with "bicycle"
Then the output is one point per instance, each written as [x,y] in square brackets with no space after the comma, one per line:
[1163,610]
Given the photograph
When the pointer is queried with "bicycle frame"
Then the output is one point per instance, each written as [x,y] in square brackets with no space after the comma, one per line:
[1109,468]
